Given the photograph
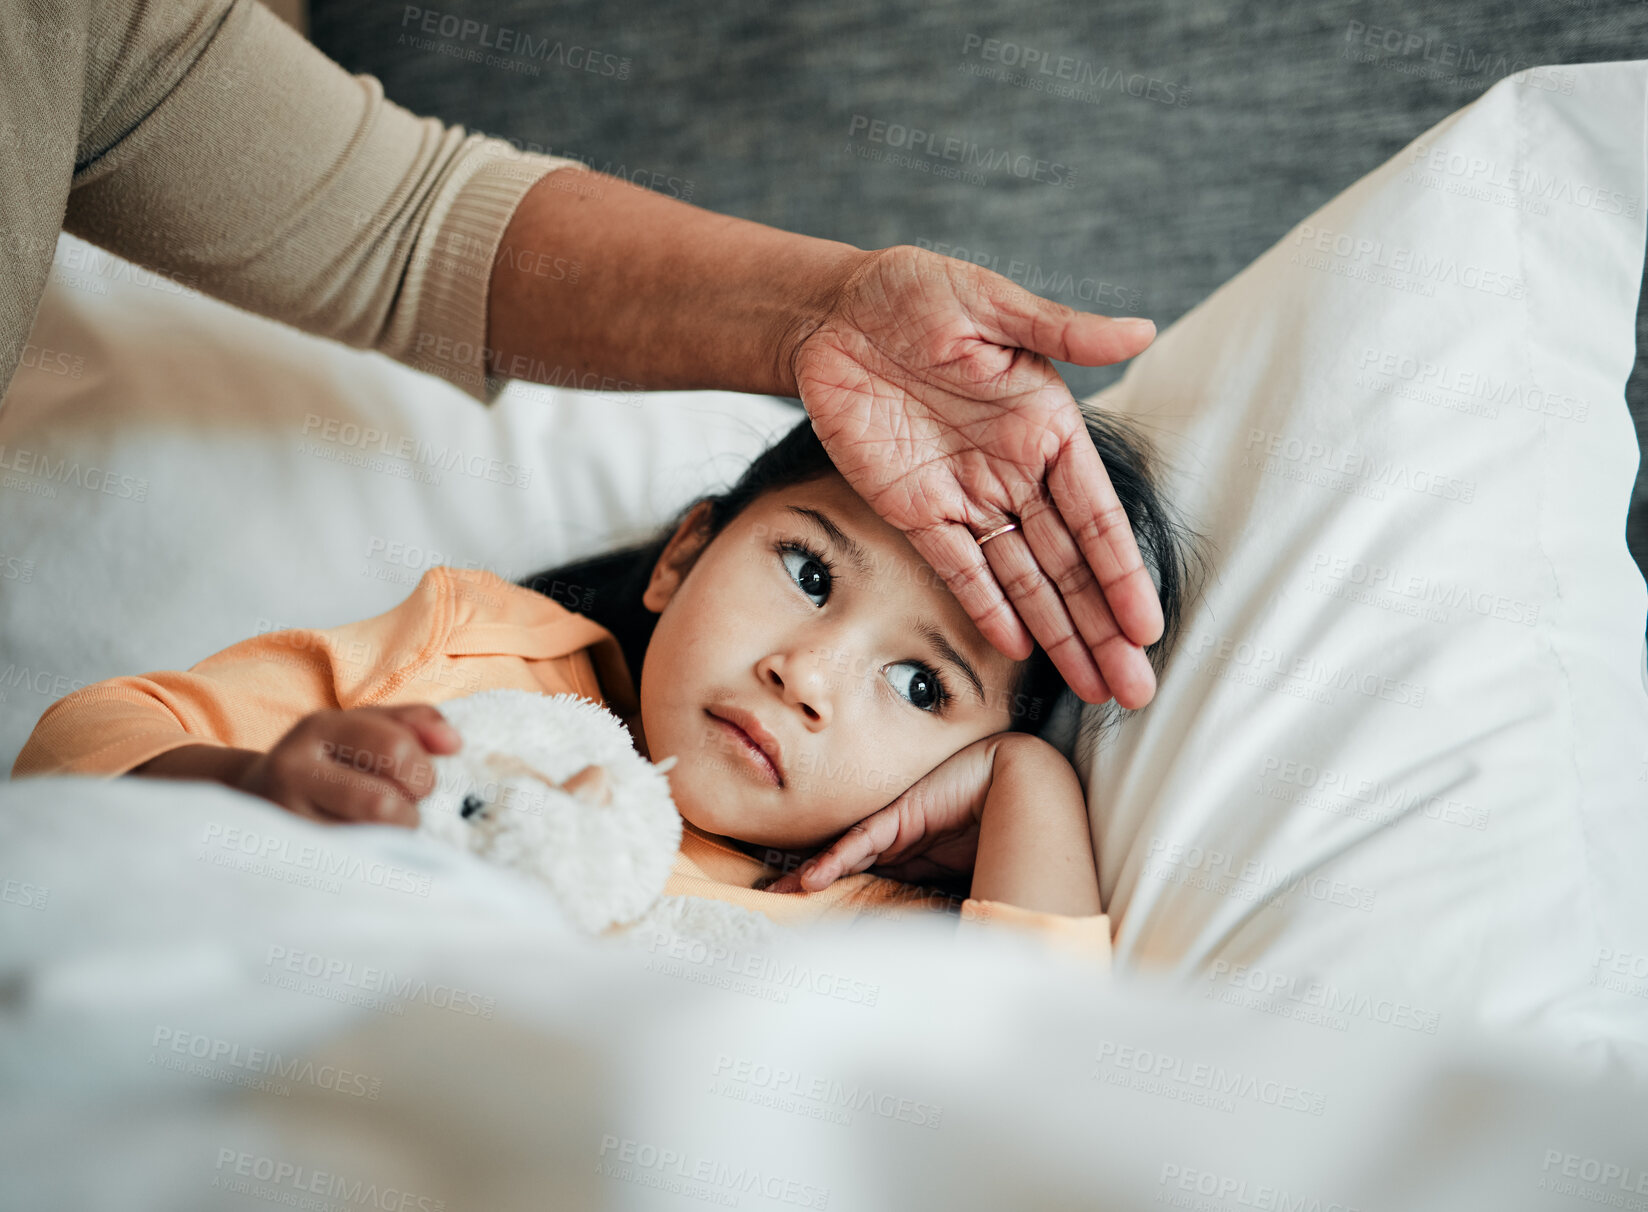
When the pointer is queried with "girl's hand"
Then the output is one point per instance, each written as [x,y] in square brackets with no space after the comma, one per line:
[929,834]
[362,764]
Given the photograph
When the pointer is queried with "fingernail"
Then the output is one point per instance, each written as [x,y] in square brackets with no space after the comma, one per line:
[807,868]
[1136,324]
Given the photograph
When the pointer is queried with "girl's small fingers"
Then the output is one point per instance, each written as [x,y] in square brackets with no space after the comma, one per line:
[815,874]
[354,796]
[852,852]
[433,731]
[385,743]
[819,872]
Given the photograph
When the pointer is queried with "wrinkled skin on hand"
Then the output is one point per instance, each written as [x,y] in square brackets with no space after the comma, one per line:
[930,385]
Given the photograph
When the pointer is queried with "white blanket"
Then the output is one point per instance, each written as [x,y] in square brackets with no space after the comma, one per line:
[210,1003]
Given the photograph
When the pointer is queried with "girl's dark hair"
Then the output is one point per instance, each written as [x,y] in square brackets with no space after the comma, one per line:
[608,587]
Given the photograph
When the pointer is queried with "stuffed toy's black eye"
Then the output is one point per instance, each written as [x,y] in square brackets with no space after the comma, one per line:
[472,804]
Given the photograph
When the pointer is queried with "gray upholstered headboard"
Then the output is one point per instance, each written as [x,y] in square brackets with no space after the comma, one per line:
[1175,142]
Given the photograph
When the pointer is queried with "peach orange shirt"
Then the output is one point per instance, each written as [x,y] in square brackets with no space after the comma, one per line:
[460,631]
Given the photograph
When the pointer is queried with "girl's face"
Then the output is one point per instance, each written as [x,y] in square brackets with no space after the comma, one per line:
[814,616]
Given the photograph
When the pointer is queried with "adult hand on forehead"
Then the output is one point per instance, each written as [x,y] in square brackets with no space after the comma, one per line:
[930,386]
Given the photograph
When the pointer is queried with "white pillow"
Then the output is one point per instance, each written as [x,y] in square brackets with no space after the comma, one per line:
[179,475]
[1397,768]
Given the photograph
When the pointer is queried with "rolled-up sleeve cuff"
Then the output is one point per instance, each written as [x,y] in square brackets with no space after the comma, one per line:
[450,273]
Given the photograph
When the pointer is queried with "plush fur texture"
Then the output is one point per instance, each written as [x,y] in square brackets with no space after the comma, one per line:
[553,786]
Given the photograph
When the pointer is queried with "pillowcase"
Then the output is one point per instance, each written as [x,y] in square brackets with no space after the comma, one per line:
[1396,770]
[177,475]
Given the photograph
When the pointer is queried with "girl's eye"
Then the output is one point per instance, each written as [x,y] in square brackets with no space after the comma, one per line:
[813,574]
[926,688]
[815,570]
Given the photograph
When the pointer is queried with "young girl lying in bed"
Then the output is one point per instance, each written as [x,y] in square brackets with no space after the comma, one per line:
[806,666]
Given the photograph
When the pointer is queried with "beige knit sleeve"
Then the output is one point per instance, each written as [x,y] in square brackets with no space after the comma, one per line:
[220,147]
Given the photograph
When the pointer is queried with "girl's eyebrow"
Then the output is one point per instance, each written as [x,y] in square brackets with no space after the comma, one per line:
[850,547]
[860,559]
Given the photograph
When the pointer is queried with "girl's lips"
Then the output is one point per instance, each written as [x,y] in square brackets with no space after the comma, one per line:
[758,758]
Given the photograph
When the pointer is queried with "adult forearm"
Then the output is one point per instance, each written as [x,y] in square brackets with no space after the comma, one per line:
[1034,850]
[600,283]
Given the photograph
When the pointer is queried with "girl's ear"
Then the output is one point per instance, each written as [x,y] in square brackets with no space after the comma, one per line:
[678,557]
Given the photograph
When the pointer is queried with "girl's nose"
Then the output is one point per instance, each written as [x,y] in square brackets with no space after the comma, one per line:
[805,678]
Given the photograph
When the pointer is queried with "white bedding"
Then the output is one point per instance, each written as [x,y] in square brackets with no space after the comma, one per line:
[883,1068]
[231,495]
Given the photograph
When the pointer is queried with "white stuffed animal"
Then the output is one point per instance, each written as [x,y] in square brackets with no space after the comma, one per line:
[552,785]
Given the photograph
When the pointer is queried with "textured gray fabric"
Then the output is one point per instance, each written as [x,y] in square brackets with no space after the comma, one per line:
[1145,204]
